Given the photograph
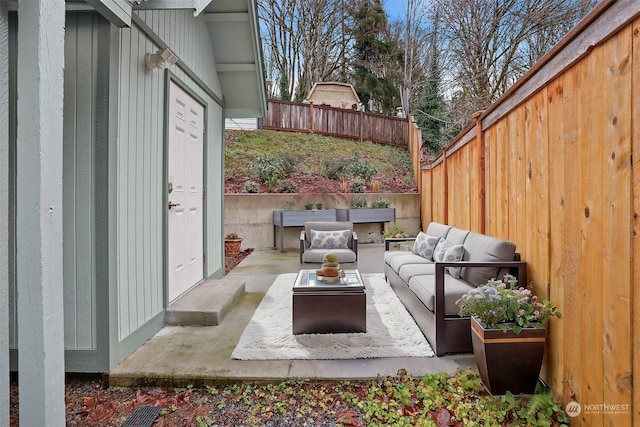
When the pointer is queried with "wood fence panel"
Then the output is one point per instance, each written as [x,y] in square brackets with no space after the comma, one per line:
[535,233]
[563,262]
[337,122]
[438,189]
[516,168]
[615,63]
[635,245]
[591,226]
[460,203]
[560,183]
[498,174]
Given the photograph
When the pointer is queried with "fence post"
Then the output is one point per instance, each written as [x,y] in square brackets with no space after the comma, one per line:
[361,124]
[311,116]
[445,187]
[480,165]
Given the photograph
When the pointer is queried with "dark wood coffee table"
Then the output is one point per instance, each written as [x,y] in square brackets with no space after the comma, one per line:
[329,308]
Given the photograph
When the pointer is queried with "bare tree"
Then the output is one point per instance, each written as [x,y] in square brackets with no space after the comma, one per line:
[305,41]
[487,41]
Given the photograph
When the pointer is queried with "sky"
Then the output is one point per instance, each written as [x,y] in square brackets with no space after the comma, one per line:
[395,9]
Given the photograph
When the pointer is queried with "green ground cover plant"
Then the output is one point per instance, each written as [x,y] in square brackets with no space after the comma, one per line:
[281,162]
[435,400]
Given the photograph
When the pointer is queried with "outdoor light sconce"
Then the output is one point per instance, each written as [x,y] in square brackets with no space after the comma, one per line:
[161,59]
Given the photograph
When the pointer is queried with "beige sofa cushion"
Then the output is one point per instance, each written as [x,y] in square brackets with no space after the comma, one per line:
[424,287]
[407,271]
[482,248]
[405,258]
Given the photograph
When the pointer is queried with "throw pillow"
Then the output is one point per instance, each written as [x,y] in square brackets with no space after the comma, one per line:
[425,245]
[448,252]
[335,239]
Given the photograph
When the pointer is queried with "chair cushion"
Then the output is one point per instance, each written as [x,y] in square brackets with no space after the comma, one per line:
[334,239]
[448,252]
[425,245]
[424,287]
[482,248]
[315,255]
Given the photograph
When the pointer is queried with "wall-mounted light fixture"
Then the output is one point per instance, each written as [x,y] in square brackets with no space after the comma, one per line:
[161,59]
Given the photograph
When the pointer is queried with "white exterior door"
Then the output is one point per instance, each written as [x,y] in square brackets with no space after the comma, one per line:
[185,192]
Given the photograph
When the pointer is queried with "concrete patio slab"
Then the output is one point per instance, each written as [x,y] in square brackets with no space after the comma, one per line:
[184,355]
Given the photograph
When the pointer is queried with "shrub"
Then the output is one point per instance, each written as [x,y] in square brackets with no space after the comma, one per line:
[394,231]
[358,185]
[287,186]
[359,202]
[267,168]
[382,203]
[251,187]
[272,182]
[335,168]
[361,168]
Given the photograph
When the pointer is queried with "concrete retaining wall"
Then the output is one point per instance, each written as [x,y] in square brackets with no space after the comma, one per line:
[251,215]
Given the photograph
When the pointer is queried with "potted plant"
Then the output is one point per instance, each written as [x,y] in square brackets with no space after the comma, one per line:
[360,212]
[232,244]
[507,333]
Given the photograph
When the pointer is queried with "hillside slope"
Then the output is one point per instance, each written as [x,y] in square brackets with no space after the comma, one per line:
[319,164]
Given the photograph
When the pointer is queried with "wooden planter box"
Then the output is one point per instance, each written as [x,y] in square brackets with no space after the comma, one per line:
[282,219]
[506,361]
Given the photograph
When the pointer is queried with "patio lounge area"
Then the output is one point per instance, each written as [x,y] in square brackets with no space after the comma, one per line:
[202,354]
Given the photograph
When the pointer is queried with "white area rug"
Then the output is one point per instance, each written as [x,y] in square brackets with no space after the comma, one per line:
[391,331]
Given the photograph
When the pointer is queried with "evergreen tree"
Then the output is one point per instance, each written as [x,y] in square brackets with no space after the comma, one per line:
[431,112]
[284,88]
[375,54]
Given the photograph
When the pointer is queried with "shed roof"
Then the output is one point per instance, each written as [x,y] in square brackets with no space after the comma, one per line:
[335,94]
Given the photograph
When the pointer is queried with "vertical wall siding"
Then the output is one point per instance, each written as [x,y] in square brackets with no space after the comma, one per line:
[78,194]
[559,183]
[188,38]
[79,120]
[140,181]
[13,64]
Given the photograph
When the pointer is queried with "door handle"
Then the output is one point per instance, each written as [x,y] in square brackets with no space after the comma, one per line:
[173,204]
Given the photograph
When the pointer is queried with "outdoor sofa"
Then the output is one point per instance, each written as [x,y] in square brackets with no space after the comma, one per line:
[429,289]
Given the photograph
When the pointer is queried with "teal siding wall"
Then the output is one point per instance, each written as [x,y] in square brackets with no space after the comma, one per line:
[141,192]
[114,179]
[80,81]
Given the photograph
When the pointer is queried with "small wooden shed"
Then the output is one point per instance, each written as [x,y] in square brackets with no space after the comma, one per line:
[334,94]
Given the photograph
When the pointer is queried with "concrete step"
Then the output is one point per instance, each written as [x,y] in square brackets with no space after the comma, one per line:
[206,304]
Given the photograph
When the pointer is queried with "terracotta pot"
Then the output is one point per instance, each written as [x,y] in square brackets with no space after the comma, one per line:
[232,247]
[506,361]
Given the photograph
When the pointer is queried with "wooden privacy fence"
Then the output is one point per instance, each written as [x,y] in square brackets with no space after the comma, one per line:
[337,122]
[550,166]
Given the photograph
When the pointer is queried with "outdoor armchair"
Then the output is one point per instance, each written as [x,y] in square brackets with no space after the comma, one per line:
[321,237]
